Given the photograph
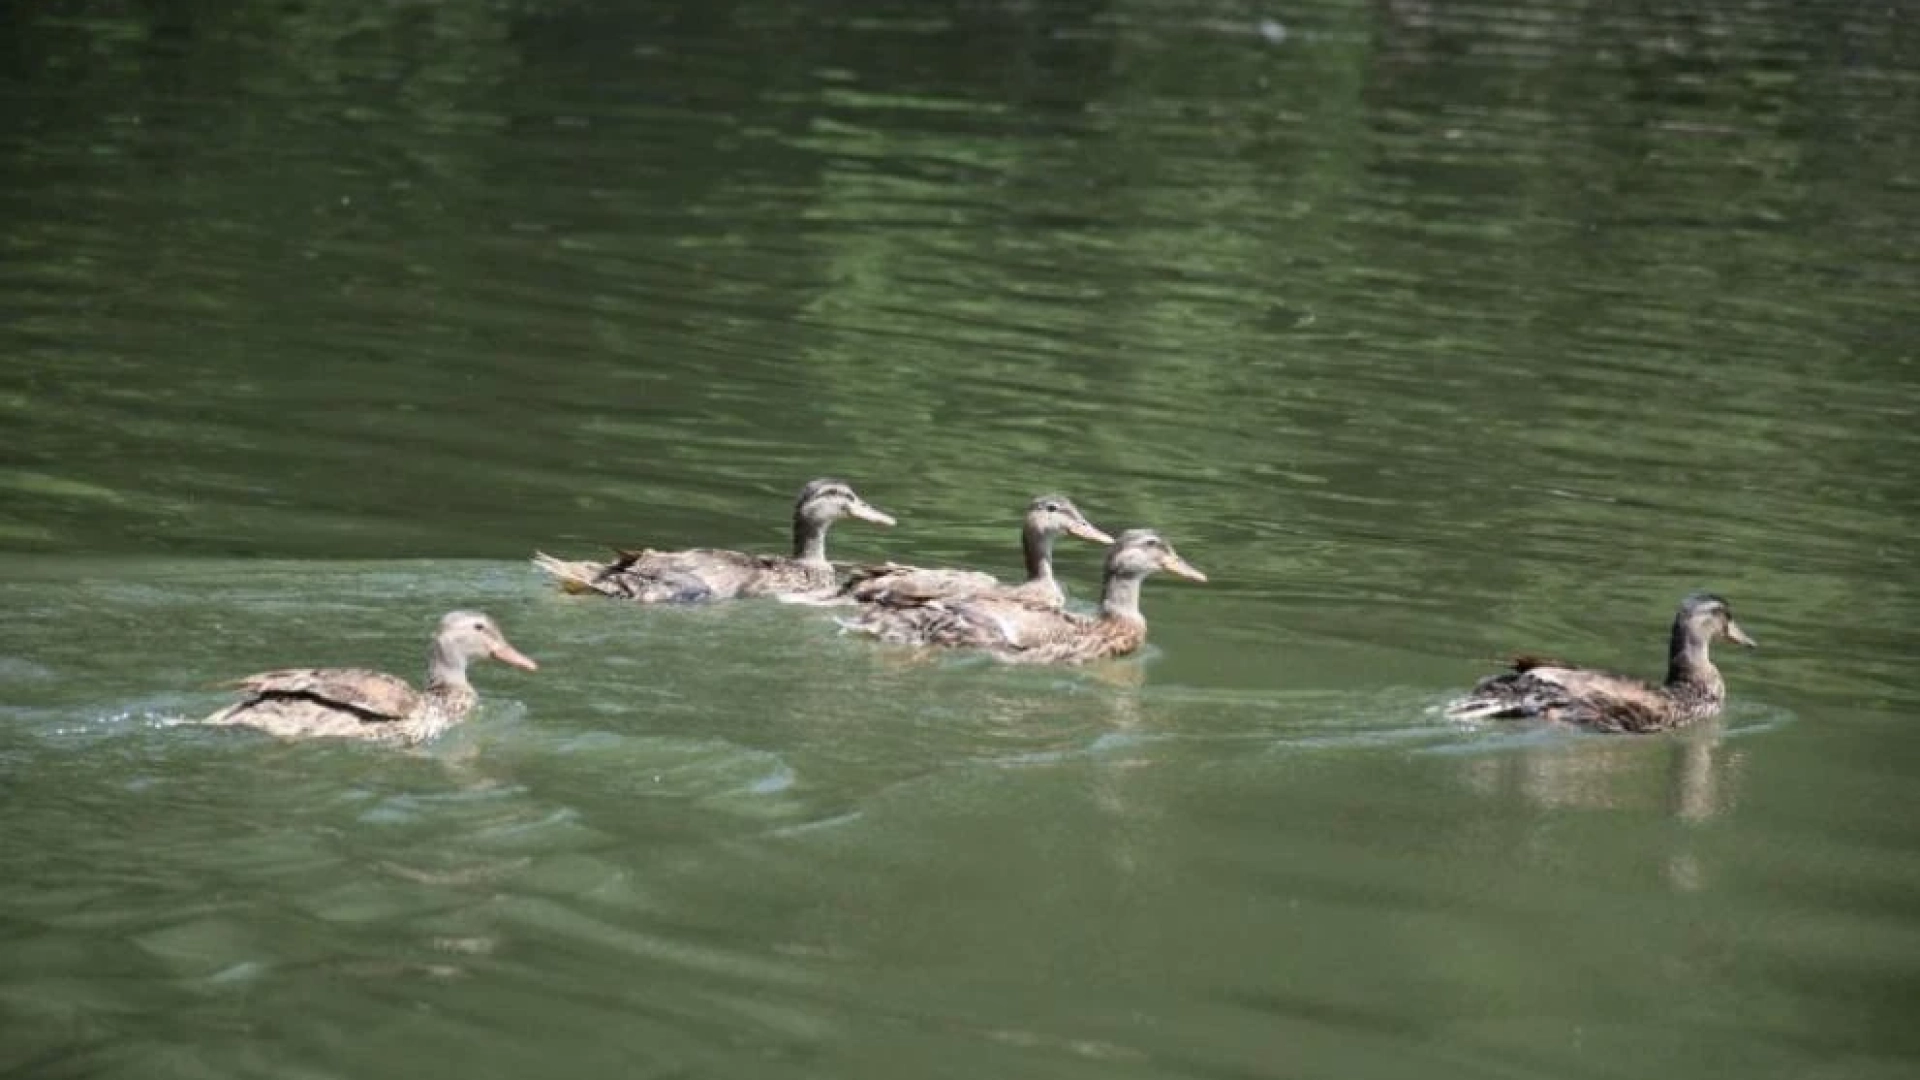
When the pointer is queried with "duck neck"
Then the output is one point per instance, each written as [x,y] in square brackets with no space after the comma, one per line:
[809,539]
[1688,663]
[1037,544]
[1120,597]
[446,671]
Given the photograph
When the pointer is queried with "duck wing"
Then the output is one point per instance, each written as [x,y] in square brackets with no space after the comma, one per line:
[961,623]
[1024,625]
[682,577]
[367,695]
[1020,632]
[1529,661]
[719,574]
[898,583]
[1550,690]
[1604,700]
[935,622]
[1062,637]
[653,577]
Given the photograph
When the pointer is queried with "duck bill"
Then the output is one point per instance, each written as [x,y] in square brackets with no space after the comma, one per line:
[1174,564]
[1085,531]
[513,657]
[866,512]
[1739,636]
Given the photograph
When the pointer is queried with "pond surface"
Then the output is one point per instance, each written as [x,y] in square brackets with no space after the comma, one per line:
[1428,330]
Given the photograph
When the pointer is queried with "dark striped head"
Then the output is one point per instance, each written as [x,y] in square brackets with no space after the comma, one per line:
[1710,618]
[1051,515]
[825,501]
[1140,552]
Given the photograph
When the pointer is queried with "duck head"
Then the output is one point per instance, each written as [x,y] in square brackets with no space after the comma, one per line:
[823,502]
[466,636]
[1140,552]
[1053,515]
[1707,618]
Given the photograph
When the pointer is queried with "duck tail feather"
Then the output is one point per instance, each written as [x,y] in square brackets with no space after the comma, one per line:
[573,577]
[1476,708]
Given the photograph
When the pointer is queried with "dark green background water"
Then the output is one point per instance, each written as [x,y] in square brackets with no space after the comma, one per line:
[1428,329]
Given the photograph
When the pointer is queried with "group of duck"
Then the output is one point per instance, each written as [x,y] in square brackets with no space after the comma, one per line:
[939,608]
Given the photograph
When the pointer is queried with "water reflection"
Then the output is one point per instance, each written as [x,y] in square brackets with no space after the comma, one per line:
[1693,776]
[1580,772]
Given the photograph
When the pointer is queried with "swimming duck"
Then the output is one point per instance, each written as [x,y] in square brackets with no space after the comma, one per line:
[703,574]
[1029,633]
[355,703]
[1604,701]
[1048,516]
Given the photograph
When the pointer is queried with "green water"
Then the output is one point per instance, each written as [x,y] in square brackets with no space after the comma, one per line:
[1427,330]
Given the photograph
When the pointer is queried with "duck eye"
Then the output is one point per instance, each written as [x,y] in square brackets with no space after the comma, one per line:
[1051,508]
[480,626]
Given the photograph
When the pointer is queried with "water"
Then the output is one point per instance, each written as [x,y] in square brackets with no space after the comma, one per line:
[1428,331]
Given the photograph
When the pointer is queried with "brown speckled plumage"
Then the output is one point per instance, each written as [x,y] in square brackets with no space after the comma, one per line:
[356,703]
[705,574]
[1029,633]
[1047,517]
[1537,687]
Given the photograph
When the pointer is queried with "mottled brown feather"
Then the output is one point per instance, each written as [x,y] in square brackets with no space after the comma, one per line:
[705,574]
[1009,629]
[373,693]
[1535,686]
[898,583]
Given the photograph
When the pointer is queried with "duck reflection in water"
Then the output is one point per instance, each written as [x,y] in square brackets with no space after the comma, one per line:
[1694,777]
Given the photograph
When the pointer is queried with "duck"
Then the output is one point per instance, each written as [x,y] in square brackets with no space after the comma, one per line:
[1022,632]
[1047,518]
[355,703]
[1537,687]
[703,575]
